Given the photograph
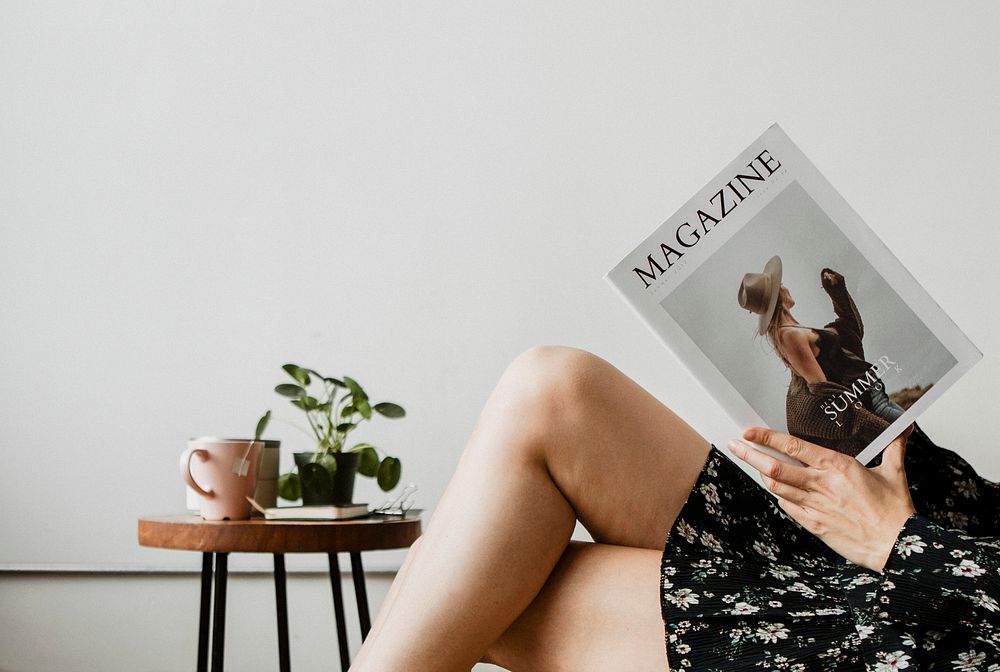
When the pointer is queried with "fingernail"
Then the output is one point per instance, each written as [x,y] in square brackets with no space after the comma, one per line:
[736,447]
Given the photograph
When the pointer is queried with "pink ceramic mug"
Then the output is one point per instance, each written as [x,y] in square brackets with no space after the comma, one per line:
[224,473]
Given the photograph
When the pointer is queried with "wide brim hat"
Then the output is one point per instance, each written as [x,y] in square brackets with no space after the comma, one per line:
[759,292]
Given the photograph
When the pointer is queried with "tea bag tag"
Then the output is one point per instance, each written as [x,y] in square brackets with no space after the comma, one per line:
[241,466]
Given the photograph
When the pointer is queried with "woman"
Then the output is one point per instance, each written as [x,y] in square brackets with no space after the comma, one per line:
[566,436]
[835,397]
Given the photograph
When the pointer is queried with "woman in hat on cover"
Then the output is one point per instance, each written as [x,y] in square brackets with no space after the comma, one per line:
[693,564]
[824,363]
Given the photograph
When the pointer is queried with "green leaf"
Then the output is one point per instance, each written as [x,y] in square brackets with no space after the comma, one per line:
[388,473]
[298,373]
[368,466]
[335,381]
[310,403]
[288,486]
[389,409]
[347,411]
[262,425]
[357,393]
[328,462]
[316,480]
[365,409]
[346,426]
[289,390]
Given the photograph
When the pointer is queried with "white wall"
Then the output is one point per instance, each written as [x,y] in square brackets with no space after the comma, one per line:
[95,623]
[193,193]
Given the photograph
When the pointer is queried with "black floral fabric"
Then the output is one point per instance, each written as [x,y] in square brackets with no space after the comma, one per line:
[745,587]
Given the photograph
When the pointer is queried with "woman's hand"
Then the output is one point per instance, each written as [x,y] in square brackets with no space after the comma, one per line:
[856,511]
[830,278]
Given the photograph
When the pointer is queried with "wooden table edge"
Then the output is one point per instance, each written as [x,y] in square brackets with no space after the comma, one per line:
[190,532]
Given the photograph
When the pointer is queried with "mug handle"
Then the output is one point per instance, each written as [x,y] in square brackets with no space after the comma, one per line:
[186,470]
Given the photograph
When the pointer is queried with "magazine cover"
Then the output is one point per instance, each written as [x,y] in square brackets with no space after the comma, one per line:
[789,310]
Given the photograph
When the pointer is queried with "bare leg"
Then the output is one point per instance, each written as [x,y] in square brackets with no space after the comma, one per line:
[599,610]
[564,435]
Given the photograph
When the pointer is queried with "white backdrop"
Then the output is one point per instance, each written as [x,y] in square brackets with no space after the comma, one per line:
[192,194]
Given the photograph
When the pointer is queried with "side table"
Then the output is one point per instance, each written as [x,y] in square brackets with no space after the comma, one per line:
[217,539]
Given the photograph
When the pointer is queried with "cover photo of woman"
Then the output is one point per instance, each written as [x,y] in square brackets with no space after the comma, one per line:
[809,333]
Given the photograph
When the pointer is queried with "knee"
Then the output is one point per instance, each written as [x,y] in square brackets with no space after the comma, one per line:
[541,392]
[554,377]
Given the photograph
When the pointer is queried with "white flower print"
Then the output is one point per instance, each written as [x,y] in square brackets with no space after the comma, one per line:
[744,608]
[897,660]
[737,634]
[772,632]
[783,572]
[958,519]
[687,531]
[767,550]
[729,540]
[799,587]
[930,639]
[967,488]
[710,541]
[862,580]
[984,600]
[967,568]
[910,544]
[682,598]
[969,661]
[864,630]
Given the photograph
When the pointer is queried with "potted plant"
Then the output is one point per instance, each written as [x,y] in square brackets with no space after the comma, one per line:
[326,475]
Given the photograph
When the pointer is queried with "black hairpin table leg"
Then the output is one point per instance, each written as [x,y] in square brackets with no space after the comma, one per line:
[281,602]
[205,614]
[219,617]
[338,612]
[360,593]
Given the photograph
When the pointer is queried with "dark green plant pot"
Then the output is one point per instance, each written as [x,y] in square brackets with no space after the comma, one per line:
[343,480]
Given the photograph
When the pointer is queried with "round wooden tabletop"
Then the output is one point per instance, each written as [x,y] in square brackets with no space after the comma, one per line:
[190,532]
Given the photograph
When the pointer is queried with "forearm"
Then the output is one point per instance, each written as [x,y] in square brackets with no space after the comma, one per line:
[848,315]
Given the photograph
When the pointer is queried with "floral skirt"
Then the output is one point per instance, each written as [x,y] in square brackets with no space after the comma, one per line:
[745,587]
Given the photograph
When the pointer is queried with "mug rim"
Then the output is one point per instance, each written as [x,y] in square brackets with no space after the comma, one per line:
[268,443]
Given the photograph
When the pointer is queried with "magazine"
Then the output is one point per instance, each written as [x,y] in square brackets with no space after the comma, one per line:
[790,311]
